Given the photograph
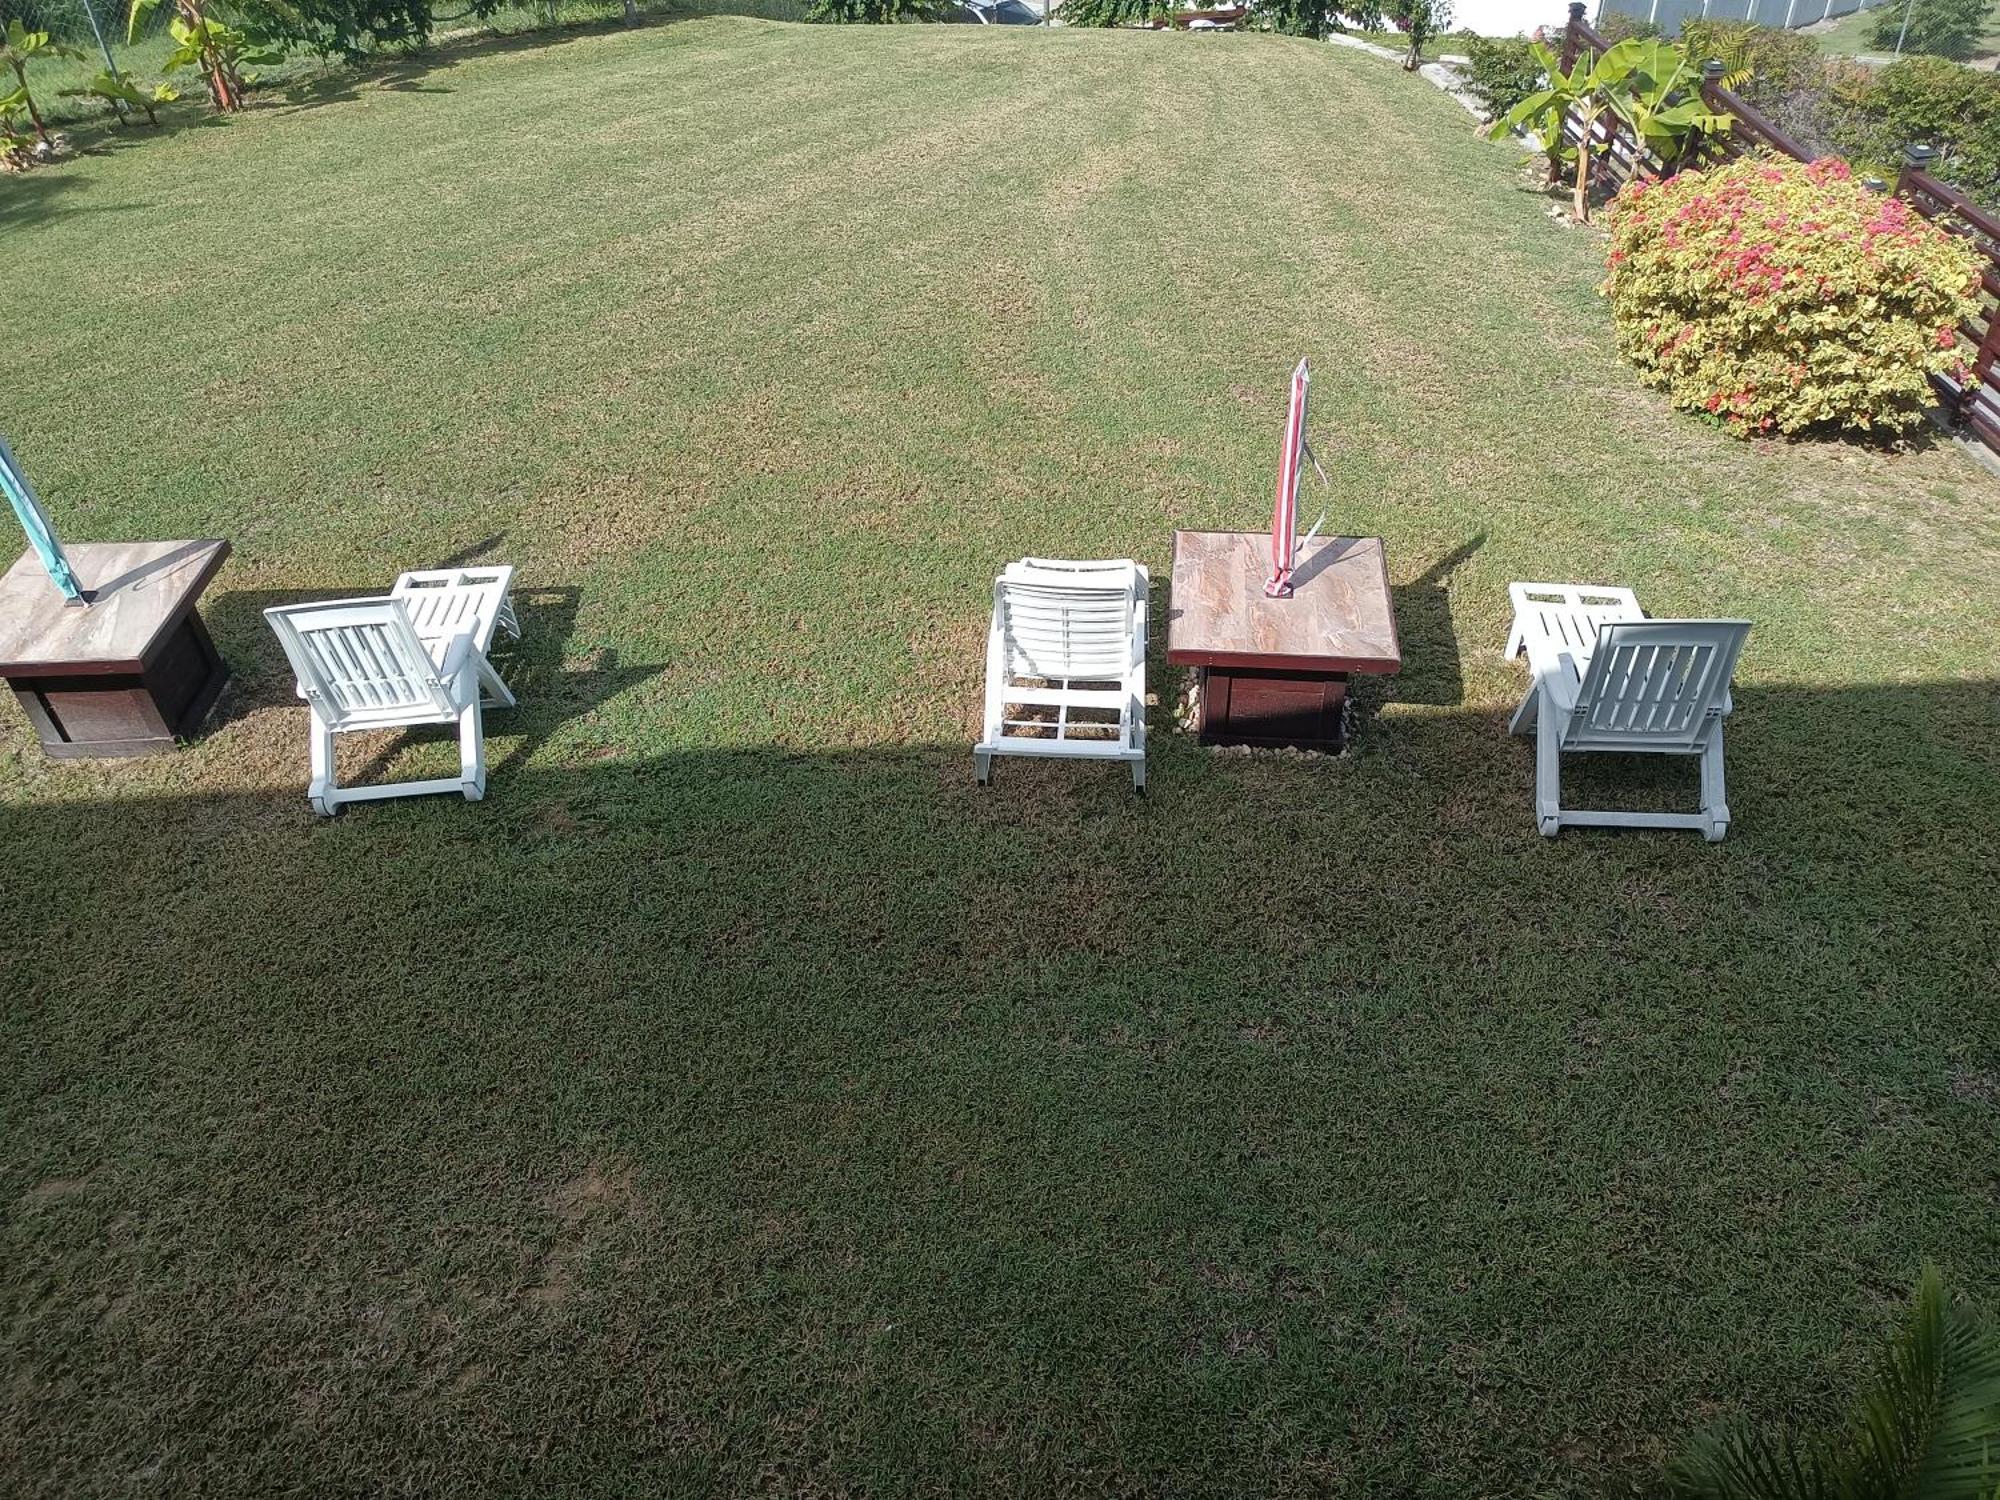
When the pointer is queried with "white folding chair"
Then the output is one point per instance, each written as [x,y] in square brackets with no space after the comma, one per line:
[362,666]
[444,602]
[1603,678]
[1552,617]
[1068,637]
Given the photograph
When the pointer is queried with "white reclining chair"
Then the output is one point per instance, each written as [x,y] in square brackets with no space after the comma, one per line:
[1602,677]
[444,602]
[362,665]
[1070,636]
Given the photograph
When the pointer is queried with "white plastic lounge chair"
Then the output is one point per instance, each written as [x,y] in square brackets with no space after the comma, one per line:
[361,665]
[444,602]
[1602,677]
[1068,636]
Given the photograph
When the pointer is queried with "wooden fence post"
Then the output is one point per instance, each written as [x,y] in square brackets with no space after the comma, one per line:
[1572,36]
[1916,158]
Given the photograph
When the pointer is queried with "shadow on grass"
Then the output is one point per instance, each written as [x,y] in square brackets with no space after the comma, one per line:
[1183,1143]
[407,72]
[32,197]
[1432,673]
[343,83]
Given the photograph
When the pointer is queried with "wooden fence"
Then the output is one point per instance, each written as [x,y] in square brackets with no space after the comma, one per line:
[1975,405]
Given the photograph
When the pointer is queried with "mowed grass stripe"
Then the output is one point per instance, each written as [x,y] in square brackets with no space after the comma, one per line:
[739,1098]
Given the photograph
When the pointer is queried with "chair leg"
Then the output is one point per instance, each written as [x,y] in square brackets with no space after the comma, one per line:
[494,685]
[1527,709]
[472,749]
[1548,770]
[1139,777]
[982,767]
[1714,803]
[322,790]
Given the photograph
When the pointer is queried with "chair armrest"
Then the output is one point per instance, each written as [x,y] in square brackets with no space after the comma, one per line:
[1560,679]
[456,656]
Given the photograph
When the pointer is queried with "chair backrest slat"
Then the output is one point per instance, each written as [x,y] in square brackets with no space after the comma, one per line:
[1068,621]
[1655,684]
[356,657]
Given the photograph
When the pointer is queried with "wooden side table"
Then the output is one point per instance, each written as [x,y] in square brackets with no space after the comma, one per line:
[1275,671]
[129,672]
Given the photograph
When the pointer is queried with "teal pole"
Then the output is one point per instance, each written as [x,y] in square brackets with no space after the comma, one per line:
[35,521]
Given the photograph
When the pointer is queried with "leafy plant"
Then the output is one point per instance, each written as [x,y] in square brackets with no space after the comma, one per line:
[884,12]
[19,47]
[1772,295]
[1653,87]
[1504,71]
[1113,12]
[205,38]
[1942,28]
[350,28]
[1615,26]
[1646,83]
[1927,1426]
[1768,61]
[116,89]
[1422,20]
[1292,17]
[14,140]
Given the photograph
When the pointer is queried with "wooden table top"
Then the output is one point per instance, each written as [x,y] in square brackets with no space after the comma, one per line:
[1339,618]
[139,591]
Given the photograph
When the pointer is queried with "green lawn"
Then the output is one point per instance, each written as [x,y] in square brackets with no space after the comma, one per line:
[739,1100]
[1853,35]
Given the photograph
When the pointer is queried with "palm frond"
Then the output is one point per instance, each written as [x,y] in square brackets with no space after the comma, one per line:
[1927,1427]
[1740,1463]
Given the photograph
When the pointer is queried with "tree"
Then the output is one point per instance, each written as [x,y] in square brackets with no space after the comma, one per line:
[1422,19]
[882,12]
[1927,1426]
[1942,28]
[18,47]
[1113,12]
[1293,17]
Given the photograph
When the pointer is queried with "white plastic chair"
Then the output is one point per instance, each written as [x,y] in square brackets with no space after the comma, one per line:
[444,602]
[1067,636]
[361,665]
[1604,678]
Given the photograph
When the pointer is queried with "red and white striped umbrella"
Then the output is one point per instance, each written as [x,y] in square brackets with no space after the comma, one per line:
[1285,512]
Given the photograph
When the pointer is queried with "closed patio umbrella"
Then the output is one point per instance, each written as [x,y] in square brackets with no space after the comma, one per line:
[41,535]
[1285,546]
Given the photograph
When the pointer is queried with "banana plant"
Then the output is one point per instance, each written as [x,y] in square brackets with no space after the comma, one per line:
[1651,87]
[1646,83]
[205,39]
[18,47]
[13,143]
[115,89]
[1543,112]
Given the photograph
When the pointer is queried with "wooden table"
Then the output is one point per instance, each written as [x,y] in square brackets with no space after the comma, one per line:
[130,671]
[1275,671]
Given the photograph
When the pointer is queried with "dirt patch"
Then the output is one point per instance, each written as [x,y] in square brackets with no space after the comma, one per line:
[1976,1086]
[55,1189]
[589,1209]
[596,1188]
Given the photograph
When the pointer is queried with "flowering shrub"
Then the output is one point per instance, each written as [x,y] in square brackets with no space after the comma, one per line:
[1779,296]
